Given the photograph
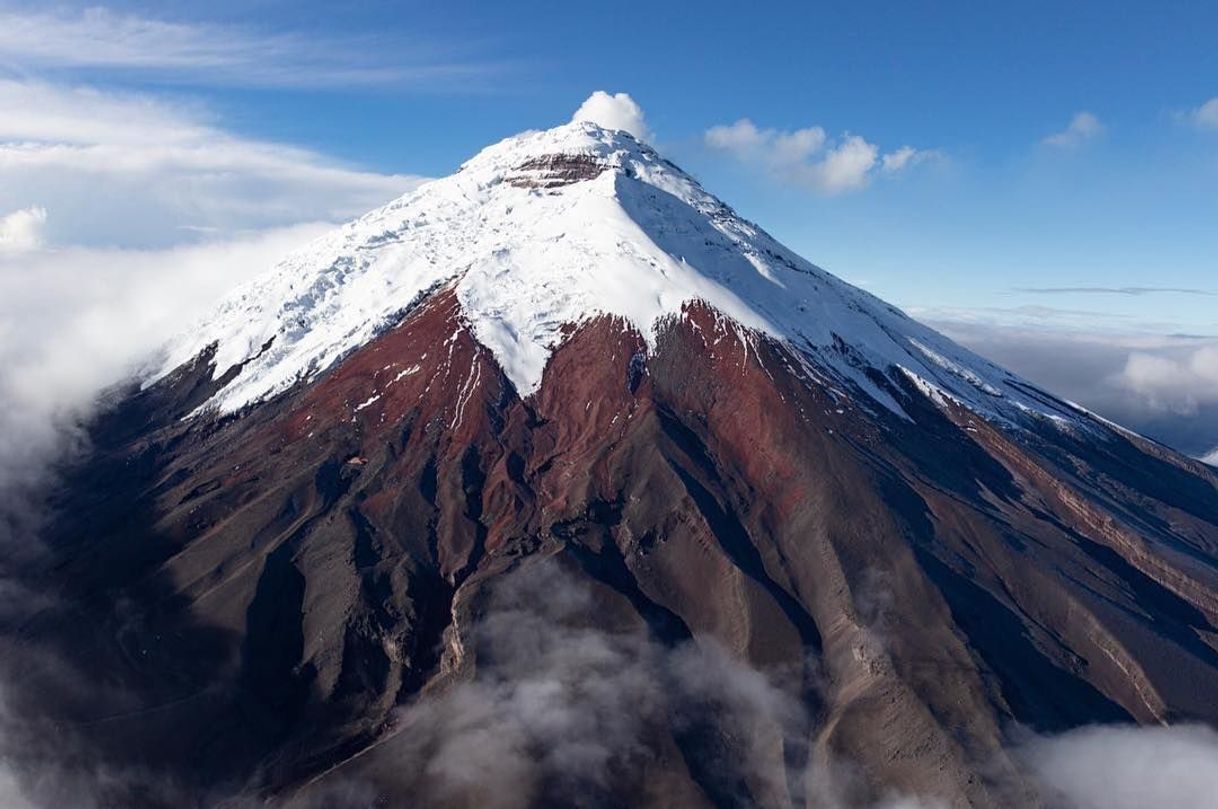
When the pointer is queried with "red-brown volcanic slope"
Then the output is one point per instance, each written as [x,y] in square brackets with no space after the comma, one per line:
[289,578]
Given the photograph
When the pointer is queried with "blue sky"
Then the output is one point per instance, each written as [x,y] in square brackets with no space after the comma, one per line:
[1055,146]
[981,83]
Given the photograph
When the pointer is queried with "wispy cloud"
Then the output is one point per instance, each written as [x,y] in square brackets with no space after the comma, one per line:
[98,38]
[1084,126]
[564,710]
[1102,290]
[809,157]
[1206,115]
[113,168]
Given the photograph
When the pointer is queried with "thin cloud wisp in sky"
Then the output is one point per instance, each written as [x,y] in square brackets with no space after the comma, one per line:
[1101,290]
[1084,126]
[1206,115]
[110,168]
[212,53]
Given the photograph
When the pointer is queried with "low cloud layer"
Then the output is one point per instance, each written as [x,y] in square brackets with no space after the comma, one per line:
[1162,386]
[558,706]
[22,229]
[76,320]
[809,157]
[1179,381]
[564,708]
[1129,768]
[567,708]
[73,321]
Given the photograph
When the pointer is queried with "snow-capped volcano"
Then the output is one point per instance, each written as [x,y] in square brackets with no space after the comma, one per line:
[547,230]
[560,453]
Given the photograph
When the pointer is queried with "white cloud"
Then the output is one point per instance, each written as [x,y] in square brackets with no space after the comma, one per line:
[217,54]
[557,705]
[808,157]
[22,229]
[1211,457]
[846,167]
[905,156]
[1130,767]
[75,320]
[116,168]
[617,111]
[11,796]
[742,135]
[1084,126]
[1178,382]
[1206,116]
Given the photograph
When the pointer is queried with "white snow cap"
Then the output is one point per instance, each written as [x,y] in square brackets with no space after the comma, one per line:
[617,111]
[557,227]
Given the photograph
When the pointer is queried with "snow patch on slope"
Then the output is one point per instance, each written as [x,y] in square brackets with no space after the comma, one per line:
[553,228]
[956,369]
[929,389]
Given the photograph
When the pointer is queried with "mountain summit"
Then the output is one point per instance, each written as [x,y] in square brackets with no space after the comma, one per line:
[555,482]
[548,230]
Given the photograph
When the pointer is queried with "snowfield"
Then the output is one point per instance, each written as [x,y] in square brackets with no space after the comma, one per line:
[552,228]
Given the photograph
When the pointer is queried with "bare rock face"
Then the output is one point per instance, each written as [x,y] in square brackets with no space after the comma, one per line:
[699,564]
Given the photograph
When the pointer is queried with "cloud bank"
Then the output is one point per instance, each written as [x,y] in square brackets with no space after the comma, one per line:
[563,708]
[808,157]
[1181,382]
[1129,768]
[1162,386]
[75,320]
[22,229]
